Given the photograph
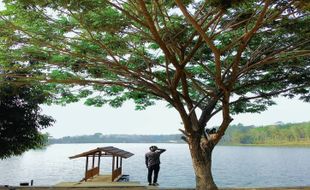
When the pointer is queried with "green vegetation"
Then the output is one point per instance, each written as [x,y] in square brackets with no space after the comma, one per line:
[21,118]
[280,134]
[100,138]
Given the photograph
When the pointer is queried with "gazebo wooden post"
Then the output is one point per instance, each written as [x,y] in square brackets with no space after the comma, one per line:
[113,164]
[116,162]
[93,164]
[99,160]
[86,168]
[121,164]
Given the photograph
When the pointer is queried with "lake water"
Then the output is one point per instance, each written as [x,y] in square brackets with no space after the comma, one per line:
[233,166]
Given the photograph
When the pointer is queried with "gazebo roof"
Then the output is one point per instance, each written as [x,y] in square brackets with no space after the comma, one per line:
[105,151]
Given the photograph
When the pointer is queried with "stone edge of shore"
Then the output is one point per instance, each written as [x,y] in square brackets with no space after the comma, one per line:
[144,187]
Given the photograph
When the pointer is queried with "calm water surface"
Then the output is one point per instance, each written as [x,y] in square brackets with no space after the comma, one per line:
[232,166]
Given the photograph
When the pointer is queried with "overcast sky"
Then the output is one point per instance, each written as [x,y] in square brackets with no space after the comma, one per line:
[78,119]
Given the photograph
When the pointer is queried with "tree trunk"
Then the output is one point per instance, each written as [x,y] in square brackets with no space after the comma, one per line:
[201,158]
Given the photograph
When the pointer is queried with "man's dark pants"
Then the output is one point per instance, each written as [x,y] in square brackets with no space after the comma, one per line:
[155,168]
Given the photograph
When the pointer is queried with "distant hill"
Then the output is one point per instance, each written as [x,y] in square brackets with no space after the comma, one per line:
[100,138]
[279,134]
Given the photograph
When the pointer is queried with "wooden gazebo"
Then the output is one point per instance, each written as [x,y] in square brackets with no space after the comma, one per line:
[109,151]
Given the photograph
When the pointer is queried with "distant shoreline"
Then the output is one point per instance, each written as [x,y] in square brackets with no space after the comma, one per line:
[291,134]
[254,145]
[269,145]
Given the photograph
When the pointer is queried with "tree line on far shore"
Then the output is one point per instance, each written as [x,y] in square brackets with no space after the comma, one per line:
[278,134]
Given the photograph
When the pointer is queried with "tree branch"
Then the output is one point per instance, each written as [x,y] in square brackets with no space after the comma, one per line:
[156,35]
[214,49]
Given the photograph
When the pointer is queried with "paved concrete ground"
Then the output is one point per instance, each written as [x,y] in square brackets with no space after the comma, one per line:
[138,188]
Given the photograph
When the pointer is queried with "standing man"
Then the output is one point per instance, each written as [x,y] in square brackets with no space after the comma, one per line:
[152,163]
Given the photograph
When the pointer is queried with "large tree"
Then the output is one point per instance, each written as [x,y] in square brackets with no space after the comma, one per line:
[202,57]
[20,116]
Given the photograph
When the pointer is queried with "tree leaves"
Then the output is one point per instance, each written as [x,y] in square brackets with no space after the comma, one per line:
[144,51]
[21,118]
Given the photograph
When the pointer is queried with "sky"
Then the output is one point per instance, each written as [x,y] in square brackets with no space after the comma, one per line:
[78,119]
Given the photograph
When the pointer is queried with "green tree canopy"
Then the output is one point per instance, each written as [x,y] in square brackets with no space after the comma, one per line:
[219,57]
[20,116]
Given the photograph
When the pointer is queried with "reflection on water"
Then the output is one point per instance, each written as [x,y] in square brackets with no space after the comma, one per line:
[232,166]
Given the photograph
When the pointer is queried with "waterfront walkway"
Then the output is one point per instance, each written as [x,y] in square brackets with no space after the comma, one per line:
[137,188]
